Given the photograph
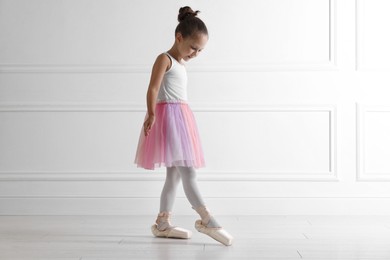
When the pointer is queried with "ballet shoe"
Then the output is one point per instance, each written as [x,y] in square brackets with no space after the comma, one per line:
[166,229]
[172,232]
[217,233]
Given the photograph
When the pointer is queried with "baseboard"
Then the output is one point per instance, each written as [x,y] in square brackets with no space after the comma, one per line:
[220,206]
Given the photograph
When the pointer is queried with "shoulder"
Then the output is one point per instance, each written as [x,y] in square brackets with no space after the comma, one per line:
[163,61]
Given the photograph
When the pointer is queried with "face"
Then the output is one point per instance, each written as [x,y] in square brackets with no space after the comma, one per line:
[190,47]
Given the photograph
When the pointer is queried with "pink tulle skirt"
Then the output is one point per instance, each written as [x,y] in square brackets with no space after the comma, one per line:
[172,141]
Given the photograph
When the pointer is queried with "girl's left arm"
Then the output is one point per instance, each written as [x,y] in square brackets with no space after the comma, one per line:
[159,68]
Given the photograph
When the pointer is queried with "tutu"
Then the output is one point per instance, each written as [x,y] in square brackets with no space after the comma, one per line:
[173,139]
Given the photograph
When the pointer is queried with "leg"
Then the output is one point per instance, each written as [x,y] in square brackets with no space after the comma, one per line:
[168,193]
[190,186]
[163,227]
[207,225]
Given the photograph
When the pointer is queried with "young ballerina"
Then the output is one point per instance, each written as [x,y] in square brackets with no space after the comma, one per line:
[170,137]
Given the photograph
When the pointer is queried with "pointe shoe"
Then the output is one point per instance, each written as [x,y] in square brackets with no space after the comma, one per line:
[173,232]
[167,230]
[217,233]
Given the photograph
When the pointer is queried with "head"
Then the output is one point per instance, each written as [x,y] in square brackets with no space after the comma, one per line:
[191,33]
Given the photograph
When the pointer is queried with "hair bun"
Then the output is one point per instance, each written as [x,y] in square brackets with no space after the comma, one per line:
[186,12]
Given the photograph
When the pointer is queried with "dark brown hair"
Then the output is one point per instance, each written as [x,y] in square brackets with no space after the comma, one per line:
[189,24]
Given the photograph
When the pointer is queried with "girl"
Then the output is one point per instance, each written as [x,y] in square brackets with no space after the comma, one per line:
[170,136]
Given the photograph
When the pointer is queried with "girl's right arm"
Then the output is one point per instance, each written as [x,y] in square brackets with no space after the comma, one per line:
[160,66]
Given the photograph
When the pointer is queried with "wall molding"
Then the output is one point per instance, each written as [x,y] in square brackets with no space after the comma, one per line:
[228,66]
[142,68]
[137,107]
[330,175]
[203,175]
[71,107]
[359,34]
[362,174]
[237,206]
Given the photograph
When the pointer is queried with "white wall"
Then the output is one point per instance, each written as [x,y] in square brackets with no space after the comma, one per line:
[291,99]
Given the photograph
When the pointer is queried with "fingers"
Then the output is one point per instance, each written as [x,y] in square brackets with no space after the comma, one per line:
[146,130]
[147,127]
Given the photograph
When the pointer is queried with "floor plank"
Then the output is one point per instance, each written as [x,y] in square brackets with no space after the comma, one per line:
[256,237]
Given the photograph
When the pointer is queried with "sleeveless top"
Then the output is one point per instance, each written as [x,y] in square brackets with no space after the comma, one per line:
[174,84]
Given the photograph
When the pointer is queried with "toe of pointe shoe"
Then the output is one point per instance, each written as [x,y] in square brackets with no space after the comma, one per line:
[155,231]
[218,234]
[174,232]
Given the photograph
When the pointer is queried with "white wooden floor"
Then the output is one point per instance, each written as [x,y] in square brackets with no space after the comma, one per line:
[257,237]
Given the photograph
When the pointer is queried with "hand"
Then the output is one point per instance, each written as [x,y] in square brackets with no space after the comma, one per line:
[149,122]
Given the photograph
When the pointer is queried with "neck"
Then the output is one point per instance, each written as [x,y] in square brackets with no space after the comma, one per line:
[174,52]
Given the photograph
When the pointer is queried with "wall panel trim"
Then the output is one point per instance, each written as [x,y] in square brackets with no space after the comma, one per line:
[142,68]
[362,174]
[137,107]
[330,175]
[237,206]
[203,175]
[228,66]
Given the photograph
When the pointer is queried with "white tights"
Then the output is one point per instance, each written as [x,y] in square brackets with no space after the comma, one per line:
[173,177]
[190,186]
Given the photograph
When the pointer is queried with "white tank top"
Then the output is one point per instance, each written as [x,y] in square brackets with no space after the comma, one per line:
[174,84]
